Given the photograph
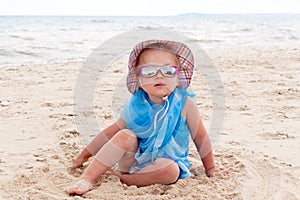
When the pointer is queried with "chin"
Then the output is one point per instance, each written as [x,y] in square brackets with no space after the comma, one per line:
[164,93]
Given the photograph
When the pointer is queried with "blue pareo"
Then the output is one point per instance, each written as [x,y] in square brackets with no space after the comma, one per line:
[161,130]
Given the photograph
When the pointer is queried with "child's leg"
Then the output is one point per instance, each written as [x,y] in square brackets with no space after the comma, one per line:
[97,143]
[162,171]
[122,144]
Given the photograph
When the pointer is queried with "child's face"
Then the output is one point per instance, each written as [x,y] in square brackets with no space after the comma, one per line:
[159,85]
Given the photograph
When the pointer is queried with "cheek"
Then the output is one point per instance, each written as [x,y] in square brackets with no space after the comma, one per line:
[174,81]
[144,81]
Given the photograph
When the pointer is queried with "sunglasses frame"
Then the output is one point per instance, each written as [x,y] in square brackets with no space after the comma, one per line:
[158,68]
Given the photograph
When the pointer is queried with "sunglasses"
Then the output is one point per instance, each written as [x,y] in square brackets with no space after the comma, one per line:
[150,71]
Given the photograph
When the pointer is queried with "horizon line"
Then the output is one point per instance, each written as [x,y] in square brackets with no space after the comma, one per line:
[192,13]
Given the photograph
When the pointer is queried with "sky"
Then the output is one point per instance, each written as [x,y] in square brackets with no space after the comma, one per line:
[144,7]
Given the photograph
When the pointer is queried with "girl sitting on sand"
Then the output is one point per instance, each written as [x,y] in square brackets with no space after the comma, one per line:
[150,140]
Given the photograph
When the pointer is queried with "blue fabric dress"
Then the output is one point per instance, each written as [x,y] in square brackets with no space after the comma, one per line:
[161,130]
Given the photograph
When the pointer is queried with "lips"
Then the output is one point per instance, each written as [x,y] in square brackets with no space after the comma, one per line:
[159,85]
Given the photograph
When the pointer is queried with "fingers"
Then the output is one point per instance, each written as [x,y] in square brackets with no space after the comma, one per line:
[80,187]
[217,171]
[75,164]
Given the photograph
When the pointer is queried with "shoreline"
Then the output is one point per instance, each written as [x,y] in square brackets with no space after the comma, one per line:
[205,49]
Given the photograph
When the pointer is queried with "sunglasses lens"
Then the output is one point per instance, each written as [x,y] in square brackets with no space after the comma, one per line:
[169,71]
[148,71]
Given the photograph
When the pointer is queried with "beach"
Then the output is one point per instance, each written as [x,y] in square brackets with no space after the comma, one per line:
[247,92]
[258,143]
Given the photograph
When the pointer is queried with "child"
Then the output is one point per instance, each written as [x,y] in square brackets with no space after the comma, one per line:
[150,140]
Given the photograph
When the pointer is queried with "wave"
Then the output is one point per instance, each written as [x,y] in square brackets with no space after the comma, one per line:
[73,43]
[22,37]
[100,21]
[42,47]
[292,37]
[246,30]
[4,52]
[27,53]
[287,30]
[206,40]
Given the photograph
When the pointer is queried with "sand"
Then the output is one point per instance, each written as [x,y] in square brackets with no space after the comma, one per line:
[259,141]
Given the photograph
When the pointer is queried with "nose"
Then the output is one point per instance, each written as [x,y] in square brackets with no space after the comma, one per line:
[159,74]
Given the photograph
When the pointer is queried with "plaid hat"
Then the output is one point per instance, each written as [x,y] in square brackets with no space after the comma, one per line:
[184,54]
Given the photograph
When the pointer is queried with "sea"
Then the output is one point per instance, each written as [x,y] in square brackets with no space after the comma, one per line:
[54,39]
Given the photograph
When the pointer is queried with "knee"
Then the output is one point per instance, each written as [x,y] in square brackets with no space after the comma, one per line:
[169,173]
[172,173]
[125,138]
[126,135]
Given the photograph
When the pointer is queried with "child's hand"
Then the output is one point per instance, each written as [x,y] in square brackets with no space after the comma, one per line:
[82,158]
[78,162]
[214,171]
[75,164]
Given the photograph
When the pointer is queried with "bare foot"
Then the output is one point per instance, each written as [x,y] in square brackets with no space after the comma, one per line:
[80,187]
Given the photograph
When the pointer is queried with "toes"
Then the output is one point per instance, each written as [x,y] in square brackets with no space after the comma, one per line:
[75,192]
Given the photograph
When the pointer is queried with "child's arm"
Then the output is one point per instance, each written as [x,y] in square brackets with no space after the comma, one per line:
[96,144]
[200,137]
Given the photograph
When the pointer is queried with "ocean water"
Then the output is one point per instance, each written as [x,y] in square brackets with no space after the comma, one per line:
[47,39]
